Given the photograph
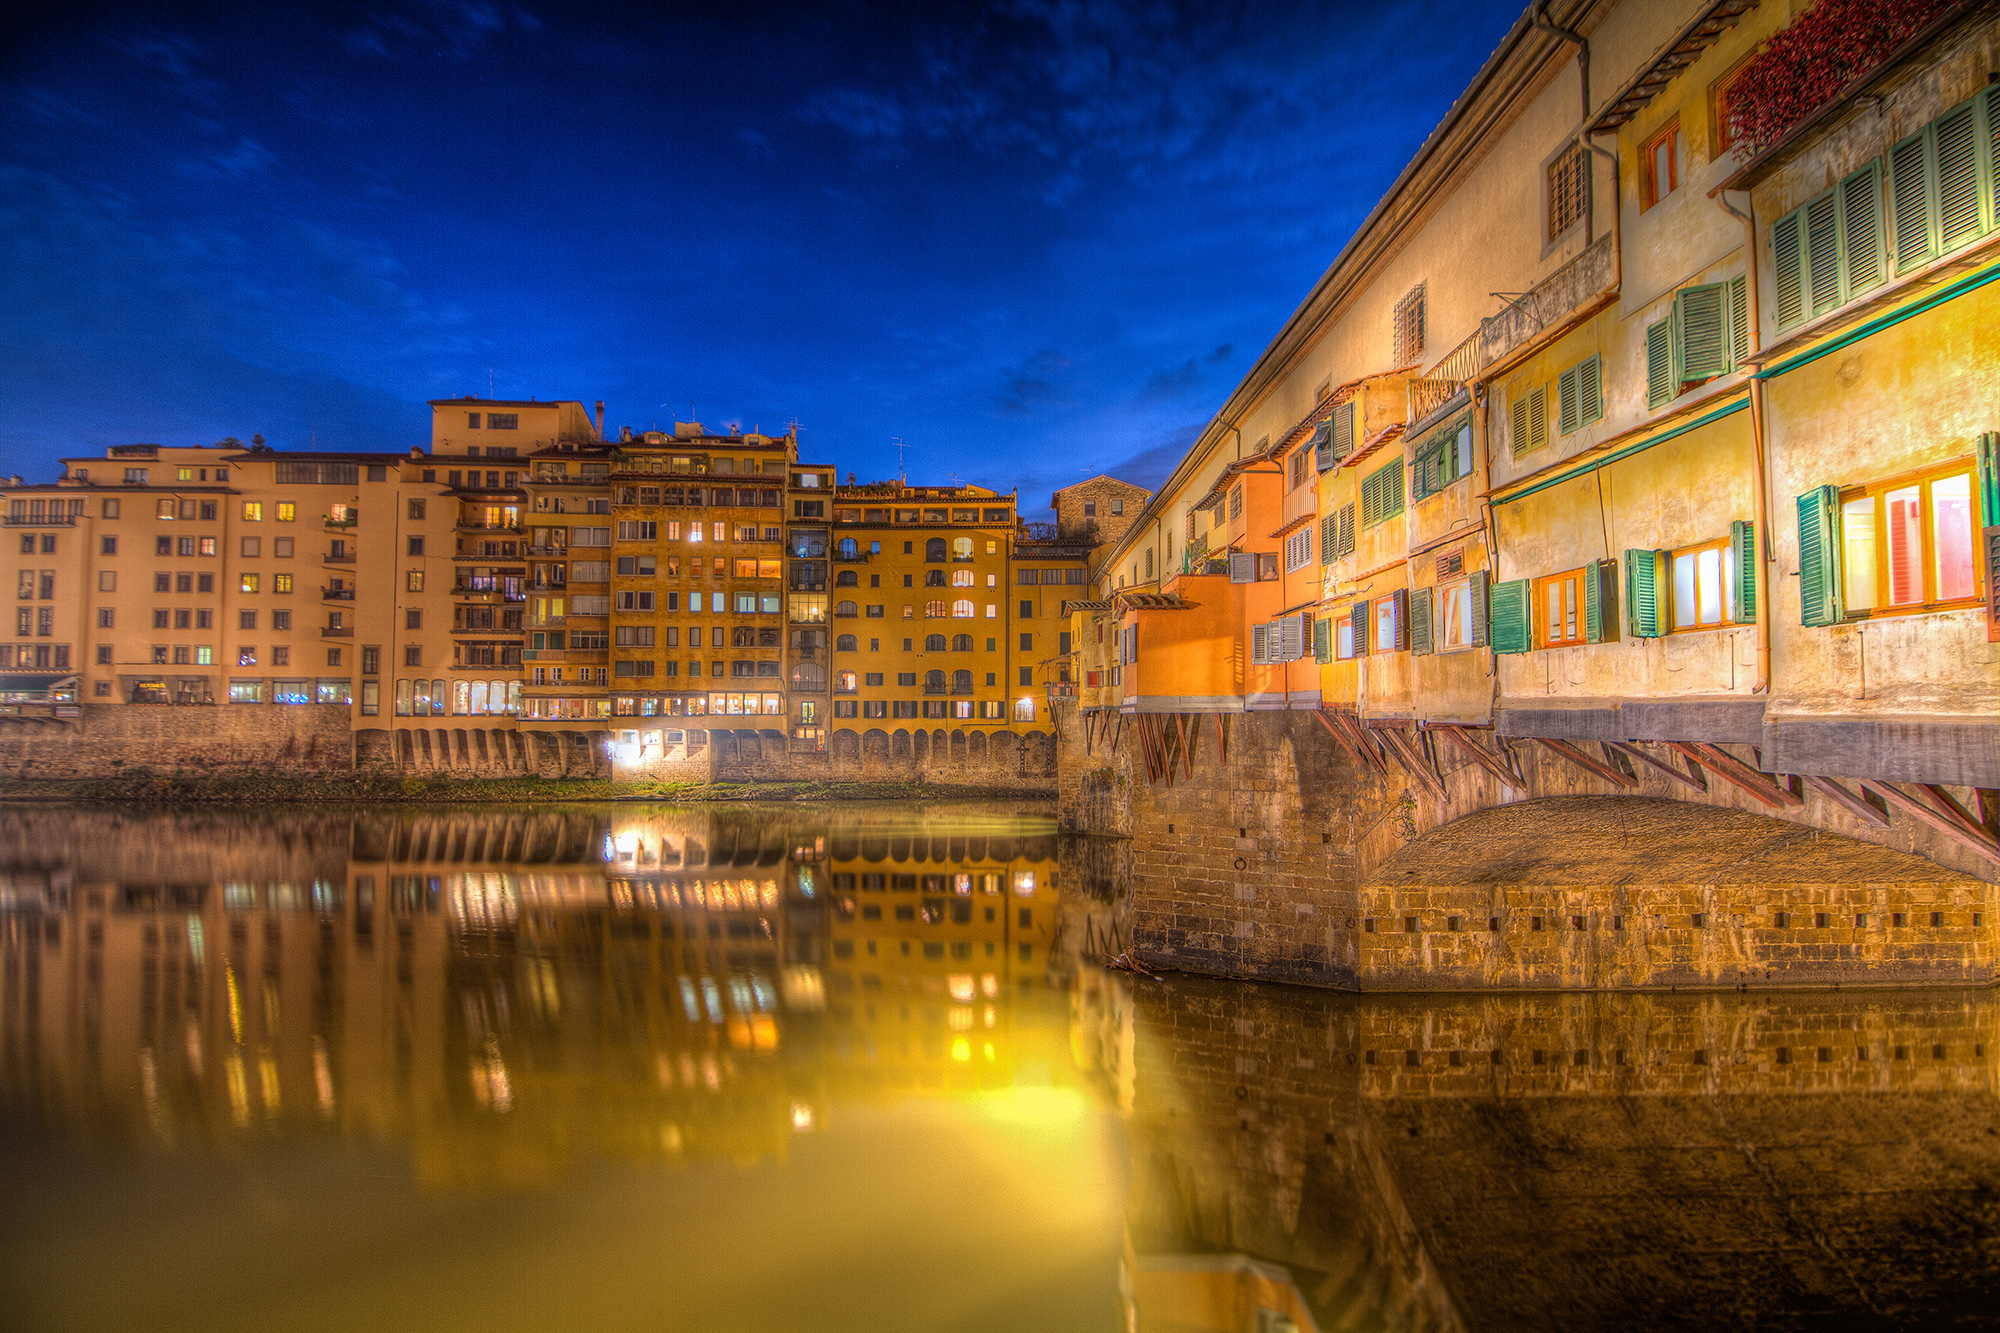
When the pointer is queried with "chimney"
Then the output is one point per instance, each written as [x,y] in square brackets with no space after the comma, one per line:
[626,437]
[600,418]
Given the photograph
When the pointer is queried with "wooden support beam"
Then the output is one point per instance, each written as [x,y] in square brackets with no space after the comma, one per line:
[1348,723]
[1924,813]
[1947,805]
[1413,761]
[1221,741]
[1759,788]
[1693,778]
[1485,760]
[1847,800]
[1346,742]
[1586,763]
[1189,728]
[1750,779]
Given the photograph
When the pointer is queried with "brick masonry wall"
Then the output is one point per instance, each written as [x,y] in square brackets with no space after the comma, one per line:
[107,739]
[1813,1159]
[1271,864]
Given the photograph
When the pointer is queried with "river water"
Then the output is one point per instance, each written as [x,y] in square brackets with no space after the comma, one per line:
[861,1067]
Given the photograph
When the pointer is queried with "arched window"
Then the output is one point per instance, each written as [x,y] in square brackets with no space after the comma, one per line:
[439,699]
[933,682]
[478,704]
[402,698]
[962,609]
[934,550]
[461,697]
[934,578]
[961,643]
[514,696]
[961,548]
[844,644]
[847,578]
[961,682]
[845,681]
[846,609]
[933,643]
[934,610]
[848,550]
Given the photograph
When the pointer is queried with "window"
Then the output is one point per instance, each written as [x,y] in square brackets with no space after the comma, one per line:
[1941,184]
[1407,322]
[1236,502]
[413,618]
[1090,509]
[1659,166]
[1455,626]
[1298,462]
[1897,546]
[1580,395]
[247,583]
[246,620]
[1706,334]
[1443,458]
[1722,106]
[1702,586]
[281,583]
[1117,507]
[1391,622]
[281,548]
[371,661]
[1697,587]
[253,512]
[281,620]
[1828,250]
[503,421]
[1560,598]
[1336,535]
[107,580]
[111,509]
[1382,494]
[1298,549]
[1567,189]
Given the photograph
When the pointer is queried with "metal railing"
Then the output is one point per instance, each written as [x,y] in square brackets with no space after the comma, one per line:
[41,520]
[336,594]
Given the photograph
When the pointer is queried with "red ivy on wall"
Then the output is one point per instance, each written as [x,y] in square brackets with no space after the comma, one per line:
[1801,68]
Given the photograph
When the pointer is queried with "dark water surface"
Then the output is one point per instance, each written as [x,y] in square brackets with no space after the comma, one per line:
[859,1067]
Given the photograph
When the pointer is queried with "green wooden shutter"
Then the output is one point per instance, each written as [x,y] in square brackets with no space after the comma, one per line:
[1820,591]
[1786,260]
[1743,559]
[1510,628]
[1566,402]
[1642,594]
[1989,480]
[1322,639]
[1959,218]
[1590,391]
[1861,230]
[1329,538]
[1659,363]
[1361,629]
[1701,343]
[1739,322]
[1908,196]
[1420,621]
[1993,158]
[1393,500]
[1400,600]
[1593,603]
[1823,254]
[1480,617]
[1347,529]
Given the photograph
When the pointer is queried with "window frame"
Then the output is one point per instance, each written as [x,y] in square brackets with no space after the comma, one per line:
[1554,231]
[1650,192]
[1574,579]
[1670,592]
[1924,479]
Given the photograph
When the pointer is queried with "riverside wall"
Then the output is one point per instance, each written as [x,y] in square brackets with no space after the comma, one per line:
[1274,855]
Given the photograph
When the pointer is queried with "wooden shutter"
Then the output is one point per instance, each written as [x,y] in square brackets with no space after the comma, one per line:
[1362,629]
[1596,601]
[1329,538]
[1861,230]
[1566,403]
[1509,617]
[1480,616]
[1291,638]
[1957,178]
[1909,197]
[1590,390]
[1322,640]
[1989,480]
[1659,363]
[1260,645]
[1991,539]
[1347,529]
[1786,257]
[1823,254]
[1989,516]
[1400,600]
[1242,567]
[1420,622]
[1530,419]
[1701,345]
[1739,322]
[1642,594]
[1343,430]
[1820,592]
[1743,558]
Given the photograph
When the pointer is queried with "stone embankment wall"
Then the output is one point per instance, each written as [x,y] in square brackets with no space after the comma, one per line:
[105,740]
[1275,855]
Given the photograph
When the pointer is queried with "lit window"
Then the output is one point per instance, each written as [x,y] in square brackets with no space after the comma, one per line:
[1702,585]
[1559,597]
[1909,544]
[1659,170]
[1455,616]
[247,583]
[287,512]
[253,512]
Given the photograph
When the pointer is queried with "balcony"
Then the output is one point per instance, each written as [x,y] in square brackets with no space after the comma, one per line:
[336,594]
[1579,283]
[33,520]
[546,552]
[852,557]
[487,527]
[338,558]
[337,632]
[938,689]
[340,524]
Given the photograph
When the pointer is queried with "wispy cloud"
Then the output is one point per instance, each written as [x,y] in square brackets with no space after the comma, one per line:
[1032,385]
[454,29]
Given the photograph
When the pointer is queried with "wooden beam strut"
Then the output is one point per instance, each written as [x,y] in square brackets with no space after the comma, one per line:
[1412,761]
[1692,778]
[1586,763]
[1732,769]
[1924,813]
[1486,760]
[1847,800]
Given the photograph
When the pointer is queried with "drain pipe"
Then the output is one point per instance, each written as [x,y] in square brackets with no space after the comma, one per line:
[1761,502]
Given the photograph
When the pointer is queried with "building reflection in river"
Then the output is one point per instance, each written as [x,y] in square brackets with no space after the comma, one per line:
[507,991]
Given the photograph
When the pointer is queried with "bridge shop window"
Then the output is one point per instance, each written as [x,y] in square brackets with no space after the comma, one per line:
[1908,544]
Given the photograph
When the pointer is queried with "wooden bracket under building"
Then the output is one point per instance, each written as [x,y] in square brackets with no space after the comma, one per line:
[1412,760]
[1586,763]
[1692,777]
[1351,734]
[1484,758]
[1731,769]
[1847,800]
[1924,812]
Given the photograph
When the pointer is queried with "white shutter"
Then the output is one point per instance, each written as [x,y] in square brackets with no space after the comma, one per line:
[1260,645]
[1291,646]
[1242,567]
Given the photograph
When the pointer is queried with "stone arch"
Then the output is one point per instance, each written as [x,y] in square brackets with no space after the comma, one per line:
[845,746]
[899,744]
[1004,754]
[975,750]
[958,749]
[1038,756]
[874,753]
[920,748]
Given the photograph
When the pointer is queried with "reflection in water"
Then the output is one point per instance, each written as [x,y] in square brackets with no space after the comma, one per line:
[858,1067]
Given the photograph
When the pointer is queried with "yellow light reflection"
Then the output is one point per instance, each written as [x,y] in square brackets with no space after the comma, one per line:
[961,1050]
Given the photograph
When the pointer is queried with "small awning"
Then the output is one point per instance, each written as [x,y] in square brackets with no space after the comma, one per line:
[1388,435]
[1293,526]
[1676,55]
[1103,604]
[1155,601]
[39,681]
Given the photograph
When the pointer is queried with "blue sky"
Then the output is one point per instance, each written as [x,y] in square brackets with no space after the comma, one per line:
[1036,241]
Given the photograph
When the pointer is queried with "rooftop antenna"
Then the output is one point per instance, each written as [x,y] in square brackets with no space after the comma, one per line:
[489,384]
[902,468]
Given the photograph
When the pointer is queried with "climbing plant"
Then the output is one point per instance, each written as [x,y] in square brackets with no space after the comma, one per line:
[1826,48]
